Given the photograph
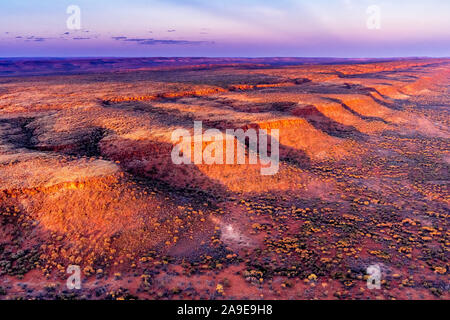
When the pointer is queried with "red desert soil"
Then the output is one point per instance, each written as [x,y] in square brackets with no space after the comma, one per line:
[86,179]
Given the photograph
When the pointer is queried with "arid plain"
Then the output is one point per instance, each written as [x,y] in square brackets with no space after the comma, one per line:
[86,178]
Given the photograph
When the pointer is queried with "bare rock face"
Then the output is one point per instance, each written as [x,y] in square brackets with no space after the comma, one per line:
[87,178]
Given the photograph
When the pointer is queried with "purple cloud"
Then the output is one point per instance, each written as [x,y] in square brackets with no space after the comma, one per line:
[151,41]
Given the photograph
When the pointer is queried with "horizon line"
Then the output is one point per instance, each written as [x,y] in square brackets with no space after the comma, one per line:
[222,57]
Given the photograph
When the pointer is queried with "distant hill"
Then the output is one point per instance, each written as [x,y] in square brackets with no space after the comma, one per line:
[58,66]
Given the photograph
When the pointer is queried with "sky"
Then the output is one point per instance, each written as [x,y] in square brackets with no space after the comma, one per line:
[225,28]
